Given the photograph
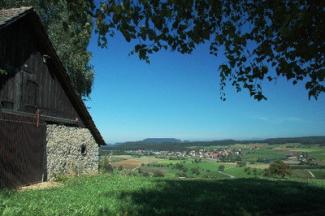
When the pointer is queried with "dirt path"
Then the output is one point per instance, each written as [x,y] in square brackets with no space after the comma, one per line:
[226,174]
[311,174]
[42,185]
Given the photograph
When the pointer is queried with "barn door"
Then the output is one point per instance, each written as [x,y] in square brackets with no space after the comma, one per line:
[22,151]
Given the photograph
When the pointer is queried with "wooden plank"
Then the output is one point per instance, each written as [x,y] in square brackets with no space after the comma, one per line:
[44,118]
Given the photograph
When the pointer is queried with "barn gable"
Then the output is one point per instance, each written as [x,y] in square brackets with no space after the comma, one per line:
[45,128]
[36,78]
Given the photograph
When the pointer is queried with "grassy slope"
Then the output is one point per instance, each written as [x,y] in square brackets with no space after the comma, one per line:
[126,195]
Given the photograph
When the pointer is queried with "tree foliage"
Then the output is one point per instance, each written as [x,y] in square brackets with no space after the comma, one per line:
[69,26]
[278,168]
[261,40]
[221,168]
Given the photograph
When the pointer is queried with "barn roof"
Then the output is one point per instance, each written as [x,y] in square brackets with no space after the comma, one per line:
[10,16]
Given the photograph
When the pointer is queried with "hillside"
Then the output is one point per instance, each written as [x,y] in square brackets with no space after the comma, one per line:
[161,140]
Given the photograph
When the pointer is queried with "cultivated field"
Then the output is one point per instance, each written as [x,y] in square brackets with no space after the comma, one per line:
[253,163]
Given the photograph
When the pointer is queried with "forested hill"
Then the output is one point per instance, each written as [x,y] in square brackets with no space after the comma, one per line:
[161,140]
[170,144]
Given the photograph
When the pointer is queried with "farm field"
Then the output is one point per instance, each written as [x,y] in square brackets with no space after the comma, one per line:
[253,161]
[119,194]
[129,162]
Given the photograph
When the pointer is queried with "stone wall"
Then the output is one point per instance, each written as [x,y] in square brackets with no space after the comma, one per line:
[70,151]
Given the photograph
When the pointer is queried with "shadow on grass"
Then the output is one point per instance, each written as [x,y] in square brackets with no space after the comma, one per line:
[226,197]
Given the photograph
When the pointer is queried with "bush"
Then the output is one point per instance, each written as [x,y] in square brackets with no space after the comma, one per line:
[221,168]
[105,165]
[145,174]
[132,173]
[241,163]
[60,178]
[158,173]
[181,167]
[195,170]
[247,170]
[181,174]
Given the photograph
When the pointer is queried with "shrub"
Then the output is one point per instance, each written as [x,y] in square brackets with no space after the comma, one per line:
[145,174]
[181,167]
[195,170]
[105,165]
[61,178]
[247,170]
[108,168]
[241,163]
[181,174]
[221,168]
[158,173]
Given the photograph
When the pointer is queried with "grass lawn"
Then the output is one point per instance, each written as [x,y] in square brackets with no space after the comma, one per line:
[318,154]
[319,173]
[134,195]
[259,165]
[237,172]
[300,173]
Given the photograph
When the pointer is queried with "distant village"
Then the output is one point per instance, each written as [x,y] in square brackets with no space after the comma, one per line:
[215,154]
[218,154]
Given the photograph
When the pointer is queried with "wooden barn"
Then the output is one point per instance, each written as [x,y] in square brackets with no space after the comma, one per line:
[45,128]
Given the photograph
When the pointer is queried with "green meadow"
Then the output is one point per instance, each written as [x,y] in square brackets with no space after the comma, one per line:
[118,194]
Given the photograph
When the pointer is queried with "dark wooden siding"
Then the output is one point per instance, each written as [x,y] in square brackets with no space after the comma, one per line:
[31,82]
[22,151]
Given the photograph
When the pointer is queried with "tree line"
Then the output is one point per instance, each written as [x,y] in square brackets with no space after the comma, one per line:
[184,146]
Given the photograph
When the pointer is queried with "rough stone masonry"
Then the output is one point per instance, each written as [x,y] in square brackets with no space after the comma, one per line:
[70,151]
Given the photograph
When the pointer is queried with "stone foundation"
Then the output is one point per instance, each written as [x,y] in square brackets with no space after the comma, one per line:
[70,151]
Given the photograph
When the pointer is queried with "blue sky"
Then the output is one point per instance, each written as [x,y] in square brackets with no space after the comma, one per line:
[177,96]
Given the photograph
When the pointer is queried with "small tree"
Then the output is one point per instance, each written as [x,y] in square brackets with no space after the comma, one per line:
[247,170]
[241,163]
[105,165]
[278,168]
[195,170]
[221,168]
